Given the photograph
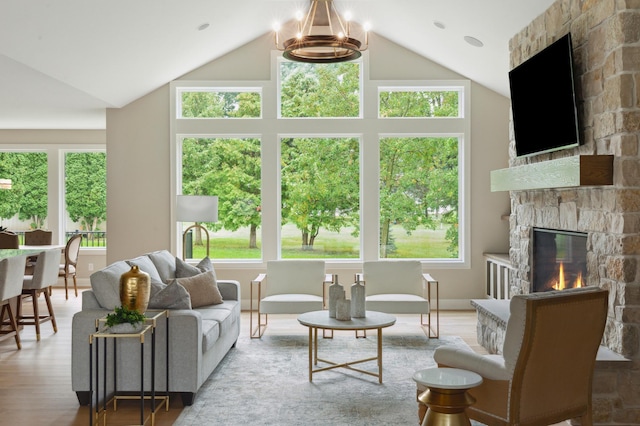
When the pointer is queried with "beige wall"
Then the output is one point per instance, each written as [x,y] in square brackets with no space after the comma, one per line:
[138,148]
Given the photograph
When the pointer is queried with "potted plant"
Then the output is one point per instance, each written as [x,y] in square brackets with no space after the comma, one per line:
[124,320]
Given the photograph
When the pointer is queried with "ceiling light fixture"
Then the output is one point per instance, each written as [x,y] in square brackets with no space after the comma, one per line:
[322,36]
[473,41]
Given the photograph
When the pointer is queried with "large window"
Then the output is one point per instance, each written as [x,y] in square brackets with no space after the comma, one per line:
[228,168]
[320,198]
[419,198]
[86,197]
[55,188]
[24,206]
[327,172]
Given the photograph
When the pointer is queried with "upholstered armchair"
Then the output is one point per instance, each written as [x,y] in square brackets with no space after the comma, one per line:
[545,373]
[396,287]
[288,287]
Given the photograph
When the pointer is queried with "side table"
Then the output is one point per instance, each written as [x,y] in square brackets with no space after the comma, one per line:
[147,329]
[446,395]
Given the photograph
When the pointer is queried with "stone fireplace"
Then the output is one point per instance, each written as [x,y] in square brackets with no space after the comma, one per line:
[606,41]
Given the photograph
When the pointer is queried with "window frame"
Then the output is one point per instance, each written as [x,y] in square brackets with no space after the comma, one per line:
[368,128]
[56,184]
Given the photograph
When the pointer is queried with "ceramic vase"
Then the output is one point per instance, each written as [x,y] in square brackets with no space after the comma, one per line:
[135,287]
[336,292]
[343,310]
[358,307]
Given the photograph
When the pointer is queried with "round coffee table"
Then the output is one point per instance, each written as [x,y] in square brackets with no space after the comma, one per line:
[446,396]
[320,320]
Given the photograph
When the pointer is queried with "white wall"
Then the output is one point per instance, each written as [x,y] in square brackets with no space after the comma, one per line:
[138,150]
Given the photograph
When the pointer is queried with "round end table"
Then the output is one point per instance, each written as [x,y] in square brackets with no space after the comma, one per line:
[446,395]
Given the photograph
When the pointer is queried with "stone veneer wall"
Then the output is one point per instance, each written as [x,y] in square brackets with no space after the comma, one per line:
[606,41]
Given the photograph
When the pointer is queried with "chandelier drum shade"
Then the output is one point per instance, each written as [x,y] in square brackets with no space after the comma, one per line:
[321,36]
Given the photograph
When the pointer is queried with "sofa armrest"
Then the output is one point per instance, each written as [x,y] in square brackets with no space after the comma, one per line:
[89,301]
[83,325]
[230,289]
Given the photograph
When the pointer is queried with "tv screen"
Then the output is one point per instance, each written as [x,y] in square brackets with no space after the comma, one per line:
[543,102]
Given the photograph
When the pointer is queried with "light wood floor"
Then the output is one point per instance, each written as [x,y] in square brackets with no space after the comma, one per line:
[35,382]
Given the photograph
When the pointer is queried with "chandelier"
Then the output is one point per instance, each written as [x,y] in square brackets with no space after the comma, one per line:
[322,36]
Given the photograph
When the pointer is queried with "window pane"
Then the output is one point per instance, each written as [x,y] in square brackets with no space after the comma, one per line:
[24,206]
[319,90]
[419,103]
[230,169]
[220,104]
[86,197]
[320,198]
[419,198]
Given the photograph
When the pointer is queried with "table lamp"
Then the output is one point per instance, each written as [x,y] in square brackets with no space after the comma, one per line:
[196,208]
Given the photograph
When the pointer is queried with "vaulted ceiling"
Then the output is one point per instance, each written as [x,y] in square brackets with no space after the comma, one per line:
[62,62]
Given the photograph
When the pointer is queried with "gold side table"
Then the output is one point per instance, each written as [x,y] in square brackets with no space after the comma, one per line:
[148,329]
[446,395]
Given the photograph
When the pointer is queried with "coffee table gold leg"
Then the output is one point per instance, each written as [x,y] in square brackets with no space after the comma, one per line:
[380,355]
[310,354]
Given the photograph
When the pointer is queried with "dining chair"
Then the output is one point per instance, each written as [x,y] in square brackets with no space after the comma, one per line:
[45,274]
[9,240]
[68,268]
[11,276]
[37,237]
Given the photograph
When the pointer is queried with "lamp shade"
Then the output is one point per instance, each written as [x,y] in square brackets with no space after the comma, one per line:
[196,208]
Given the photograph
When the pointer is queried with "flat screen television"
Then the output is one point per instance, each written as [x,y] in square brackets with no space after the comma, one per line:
[543,101]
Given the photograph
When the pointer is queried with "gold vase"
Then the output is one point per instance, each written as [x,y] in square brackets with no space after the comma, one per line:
[135,287]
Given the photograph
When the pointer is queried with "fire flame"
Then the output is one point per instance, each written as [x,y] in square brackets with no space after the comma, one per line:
[561,283]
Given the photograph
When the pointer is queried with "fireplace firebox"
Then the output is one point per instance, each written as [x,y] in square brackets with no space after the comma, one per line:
[559,260]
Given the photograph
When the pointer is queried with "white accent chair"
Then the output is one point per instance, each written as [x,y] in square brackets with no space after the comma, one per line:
[545,373]
[397,287]
[11,276]
[288,287]
[45,275]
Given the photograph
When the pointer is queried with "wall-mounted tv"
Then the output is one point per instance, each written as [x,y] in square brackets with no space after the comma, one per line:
[543,101]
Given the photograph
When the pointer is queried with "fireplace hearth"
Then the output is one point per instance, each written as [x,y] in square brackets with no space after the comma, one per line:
[559,260]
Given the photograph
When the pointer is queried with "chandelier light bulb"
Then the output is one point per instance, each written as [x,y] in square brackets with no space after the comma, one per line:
[340,35]
[367,26]
[347,16]
[277,27]
[299,15]
[299,36]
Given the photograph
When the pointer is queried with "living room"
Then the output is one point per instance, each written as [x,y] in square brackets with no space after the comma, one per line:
[140,200]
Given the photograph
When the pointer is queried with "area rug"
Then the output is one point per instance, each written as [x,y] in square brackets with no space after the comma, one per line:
[265,381]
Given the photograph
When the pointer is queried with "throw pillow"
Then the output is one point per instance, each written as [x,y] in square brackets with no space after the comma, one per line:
[185,270]
[171,296]
[146,265]
[105,284]
[202,288]
[165,263]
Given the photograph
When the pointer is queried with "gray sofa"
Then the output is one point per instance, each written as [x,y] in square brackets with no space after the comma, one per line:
[199,338]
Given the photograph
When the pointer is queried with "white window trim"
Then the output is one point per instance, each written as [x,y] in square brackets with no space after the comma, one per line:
[270,129]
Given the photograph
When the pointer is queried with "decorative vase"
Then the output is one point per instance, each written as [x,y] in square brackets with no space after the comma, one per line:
[336,292]
[343,310]
[358,307]
[135,287]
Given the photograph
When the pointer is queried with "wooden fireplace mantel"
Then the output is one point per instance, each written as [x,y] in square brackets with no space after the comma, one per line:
[579,170]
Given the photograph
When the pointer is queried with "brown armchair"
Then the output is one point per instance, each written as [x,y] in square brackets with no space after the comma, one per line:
[545,373]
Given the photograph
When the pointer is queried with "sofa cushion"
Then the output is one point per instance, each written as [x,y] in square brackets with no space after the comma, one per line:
[185,270]
[202,288]
[105,284]
[171,296]
[165,263]
[223,317]
[146,265]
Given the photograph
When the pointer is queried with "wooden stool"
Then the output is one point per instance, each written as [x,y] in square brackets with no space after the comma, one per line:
[445,398]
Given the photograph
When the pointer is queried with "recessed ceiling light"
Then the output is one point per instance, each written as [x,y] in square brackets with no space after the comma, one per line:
[204,26]
[473,41]
[439,24]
